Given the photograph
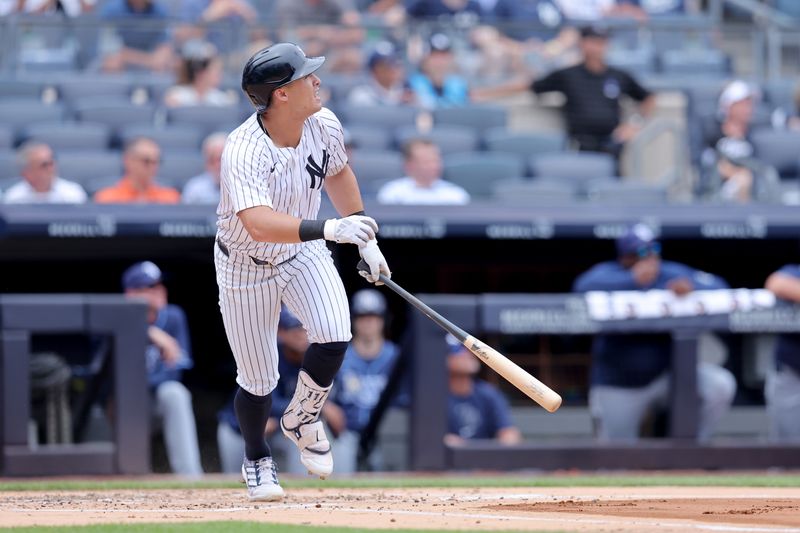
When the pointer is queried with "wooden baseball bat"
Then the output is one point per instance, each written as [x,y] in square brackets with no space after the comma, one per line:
[513,373]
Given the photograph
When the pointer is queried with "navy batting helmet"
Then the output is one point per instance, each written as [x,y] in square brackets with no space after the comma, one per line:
[273,67]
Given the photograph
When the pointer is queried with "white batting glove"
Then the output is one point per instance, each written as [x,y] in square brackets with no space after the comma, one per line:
[374,259]
[355,229]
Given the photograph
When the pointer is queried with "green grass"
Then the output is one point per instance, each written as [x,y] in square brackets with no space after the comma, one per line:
[205,527]
[449,481]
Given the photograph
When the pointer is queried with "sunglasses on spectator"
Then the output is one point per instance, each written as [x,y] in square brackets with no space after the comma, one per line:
[148,160]
[46,163]
[649,249]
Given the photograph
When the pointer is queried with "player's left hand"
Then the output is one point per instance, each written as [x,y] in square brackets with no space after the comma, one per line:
[374,259]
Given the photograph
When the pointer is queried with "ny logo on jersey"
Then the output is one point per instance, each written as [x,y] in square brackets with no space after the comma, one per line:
[318,172]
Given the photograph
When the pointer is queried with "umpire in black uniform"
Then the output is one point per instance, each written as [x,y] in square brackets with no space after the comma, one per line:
[593,89]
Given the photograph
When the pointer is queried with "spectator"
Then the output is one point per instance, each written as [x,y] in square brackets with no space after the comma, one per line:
[423,184]
[437,83]
[292,345]
[595,10]
[199,76]
[140,161]
[368,362]
[593,89]
[142,31]
[167,355]
[735,175]
[630,373]
[782,387]
[443,8]
[70,8]
[40,183]
[204,188]
[200,16]
[653,8]
[387,85]
[330,23]
[475,408]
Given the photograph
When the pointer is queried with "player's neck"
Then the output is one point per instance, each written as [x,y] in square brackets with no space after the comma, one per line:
[284,130]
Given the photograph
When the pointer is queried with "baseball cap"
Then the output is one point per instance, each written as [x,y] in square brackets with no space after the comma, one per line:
[368,302]
[439,42]
[736,91]
[141,275]
[637,239]
[595,30]
[384,52]
[453,346]
[287,320]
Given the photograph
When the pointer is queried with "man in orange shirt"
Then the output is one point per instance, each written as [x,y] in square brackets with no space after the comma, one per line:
[140,161]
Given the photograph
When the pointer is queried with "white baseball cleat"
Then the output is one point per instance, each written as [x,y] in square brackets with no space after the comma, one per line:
[315,450]
[300,423]
[261,478]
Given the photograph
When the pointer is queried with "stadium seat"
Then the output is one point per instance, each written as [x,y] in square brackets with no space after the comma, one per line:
[20,113]
[66,136]
[364,137]
[524,143]
[168,138]
[83,167]
[478,117]
[115,115]
[21,89]
[781,95]
[6,138]
[449,139]
[95,184]
[477,172]
[205,118]
[575,168]
[638,61]
[372,167]
[8,164]
[5,183]
[616,192]
[340,85]
[697,62]
[177,167]
[379,116]
[84,88]
[778,148]
[532,192]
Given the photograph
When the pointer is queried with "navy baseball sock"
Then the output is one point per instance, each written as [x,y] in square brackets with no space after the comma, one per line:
[322,361]
[252,412]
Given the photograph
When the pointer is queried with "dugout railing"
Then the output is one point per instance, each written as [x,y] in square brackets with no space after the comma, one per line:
[567,315]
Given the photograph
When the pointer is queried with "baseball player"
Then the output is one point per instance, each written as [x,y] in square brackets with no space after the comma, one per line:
[270,249]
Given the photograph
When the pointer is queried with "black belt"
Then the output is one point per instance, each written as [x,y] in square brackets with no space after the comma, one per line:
[257,261]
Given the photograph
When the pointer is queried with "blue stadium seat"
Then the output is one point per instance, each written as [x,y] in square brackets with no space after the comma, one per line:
[6,138]
[449,139]
[778,148]
[698,62]
[9,168]
[168,138]
[532,192]
[524,143]
[616,192]
[66,136]
[478,117]
[85,166]
[575,168]
[115,115]
[205,118]
[21,89]
[177,167]
[366,137]
[373,167]
[379,116]
[21,113]
[85,88]
[477,172]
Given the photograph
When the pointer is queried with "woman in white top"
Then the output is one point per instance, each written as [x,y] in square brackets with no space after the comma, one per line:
[200,73]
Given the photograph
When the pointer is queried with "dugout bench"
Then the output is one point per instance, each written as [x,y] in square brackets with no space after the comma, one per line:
[121,320]
[567,314]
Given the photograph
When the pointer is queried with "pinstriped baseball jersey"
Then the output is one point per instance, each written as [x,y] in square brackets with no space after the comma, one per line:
[289,180]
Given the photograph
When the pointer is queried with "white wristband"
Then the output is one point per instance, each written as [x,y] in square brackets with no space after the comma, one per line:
[329,230]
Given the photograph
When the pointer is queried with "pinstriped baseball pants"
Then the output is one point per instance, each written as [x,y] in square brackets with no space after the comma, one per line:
[250,297]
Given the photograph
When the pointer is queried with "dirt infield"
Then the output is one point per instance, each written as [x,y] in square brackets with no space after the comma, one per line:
[639,509]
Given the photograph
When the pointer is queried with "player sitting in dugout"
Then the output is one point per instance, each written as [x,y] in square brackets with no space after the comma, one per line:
[475,409]
[629,373]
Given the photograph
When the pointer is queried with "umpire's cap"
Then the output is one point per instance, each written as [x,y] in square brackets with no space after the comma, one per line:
[273,67]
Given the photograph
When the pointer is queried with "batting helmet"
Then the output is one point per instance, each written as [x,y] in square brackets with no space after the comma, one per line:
[273,67]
